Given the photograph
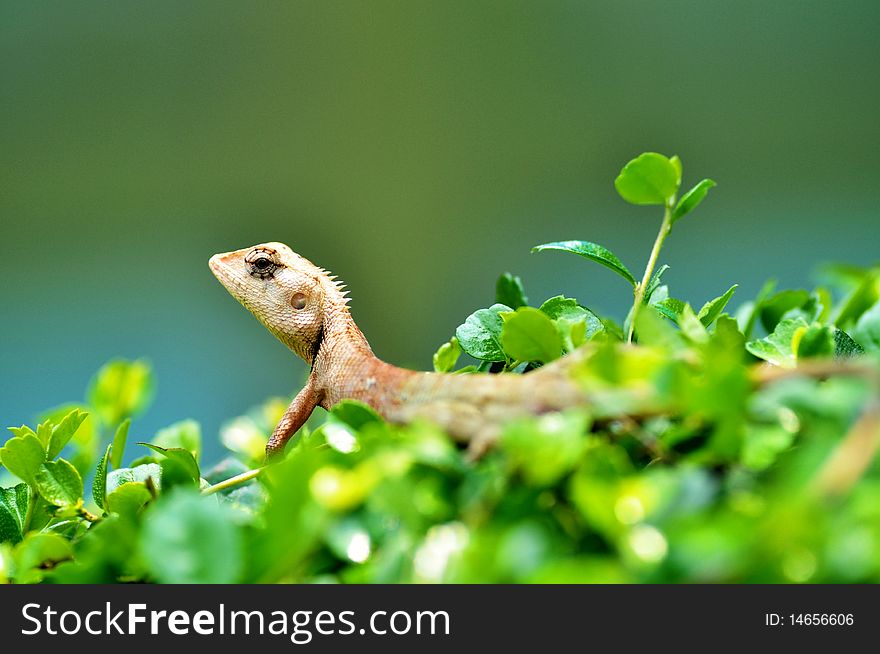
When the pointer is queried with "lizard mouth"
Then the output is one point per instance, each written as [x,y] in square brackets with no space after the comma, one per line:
[221,270]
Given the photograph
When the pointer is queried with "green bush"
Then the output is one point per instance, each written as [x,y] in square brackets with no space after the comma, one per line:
[721,448]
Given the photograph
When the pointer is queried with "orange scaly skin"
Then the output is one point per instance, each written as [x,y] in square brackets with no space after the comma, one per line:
[307,310]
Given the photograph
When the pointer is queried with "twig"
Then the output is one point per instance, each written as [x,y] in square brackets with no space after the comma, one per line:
[819,369]
[853,456]
[233,481]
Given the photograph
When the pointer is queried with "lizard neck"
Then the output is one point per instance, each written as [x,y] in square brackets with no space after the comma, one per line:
[341,343]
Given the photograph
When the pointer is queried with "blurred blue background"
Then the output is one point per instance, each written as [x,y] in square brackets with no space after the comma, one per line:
[417,150]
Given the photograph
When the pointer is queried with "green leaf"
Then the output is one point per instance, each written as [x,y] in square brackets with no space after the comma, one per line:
[180,456]
[774,308]
[568,314]
[653,329]
[690,200]
[844,345]
[545,448]
[150,473]
[99,483]
[354,413]
[22,431]
[44,433]
[37,551]
[244,436]
[509,291]
[530,335]
[676,163]
[23,456]
[654,284]
[59,483]
[777,347]
[13,509]
[748,312]
[763,444]
[188,539]
[867,329]
[671,308]
[128,498]
[560,306]
[859,300]
[650,178]
[121,389]
[86,441]
[813,341]
[186,434]
[593,252]
[447,355]
[118,444]
[480,334]
[64,431]
[713,308]
[691,326]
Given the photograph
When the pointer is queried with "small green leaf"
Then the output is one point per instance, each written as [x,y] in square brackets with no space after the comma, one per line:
[763,444]
[593,252]
[186,434]
[22,431]
[146,473]
[181,456]
[650,178]
[691,326]
[37,551]
[447,355]
[119,440]
[748,312]
[867,329]
[671,308]
[83,448]
[353,413]
[777,306]
[530,335]
[654,284]
[844,345]
[99,483]
[59,483]
[859,300]
[480,334]
[13,508]
[44,432]
[544,449]
[65,430]
[128,498]
[23,456]
[777,347]
[121,389]
[690,200]
[813,341]
[176,474]
[189,539]
[713,308]
[676,163]
[509,290]
[567,314]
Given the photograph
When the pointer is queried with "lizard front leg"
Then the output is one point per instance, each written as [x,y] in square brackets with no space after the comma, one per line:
[294,418]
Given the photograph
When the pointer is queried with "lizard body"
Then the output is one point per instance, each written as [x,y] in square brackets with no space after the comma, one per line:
[306,308]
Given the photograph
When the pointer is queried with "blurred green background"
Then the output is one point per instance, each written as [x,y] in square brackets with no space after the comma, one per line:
[416,149]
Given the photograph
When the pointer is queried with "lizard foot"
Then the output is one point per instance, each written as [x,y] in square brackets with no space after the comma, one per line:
[481,443]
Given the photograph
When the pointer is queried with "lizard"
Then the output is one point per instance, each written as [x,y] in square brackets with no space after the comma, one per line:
[306,308]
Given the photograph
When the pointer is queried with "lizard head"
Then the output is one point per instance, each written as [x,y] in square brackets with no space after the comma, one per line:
[289,294]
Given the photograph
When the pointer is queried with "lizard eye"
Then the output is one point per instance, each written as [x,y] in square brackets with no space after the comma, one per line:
[261,263]
[298,301]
